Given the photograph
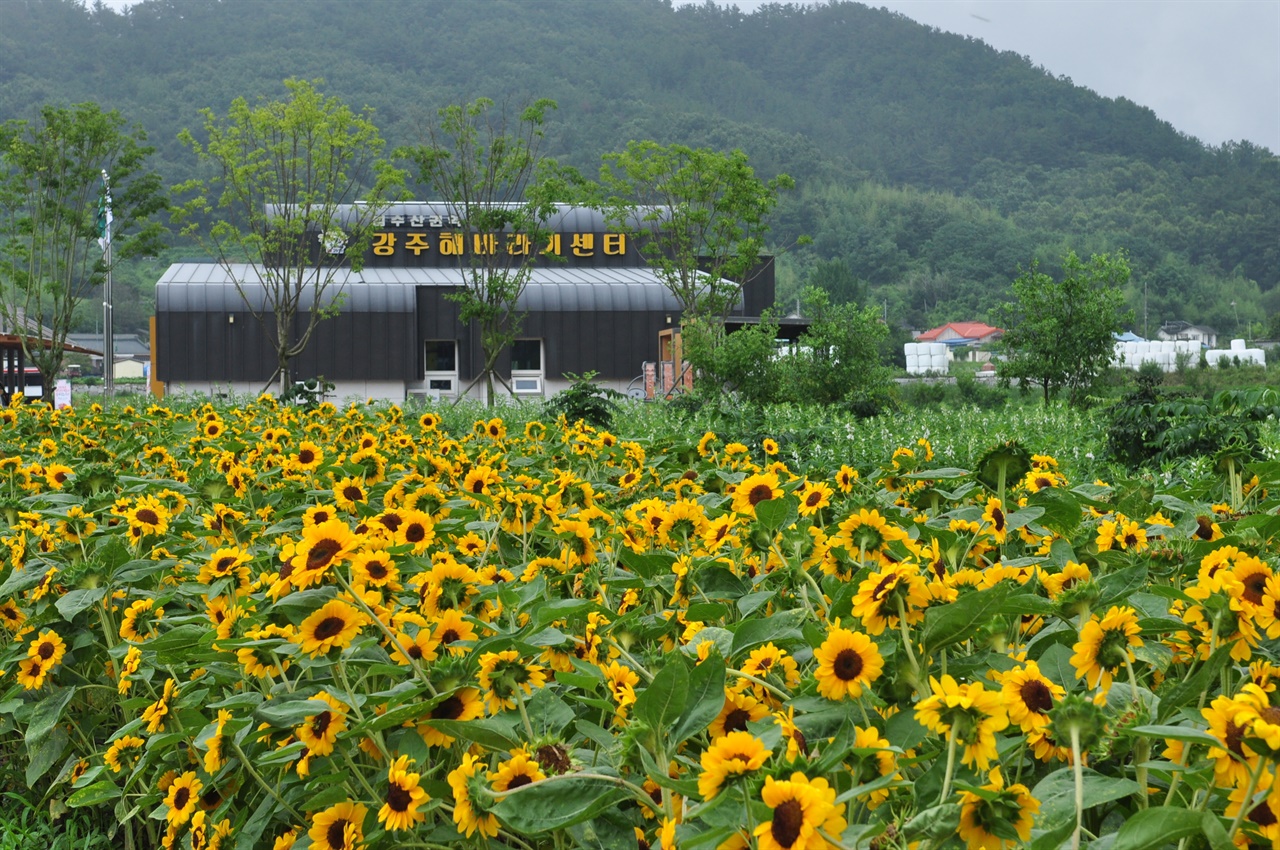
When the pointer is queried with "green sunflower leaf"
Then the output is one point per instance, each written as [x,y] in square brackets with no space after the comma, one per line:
[557,803]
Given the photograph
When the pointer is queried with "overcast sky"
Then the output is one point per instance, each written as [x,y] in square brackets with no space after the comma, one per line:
[1211,68]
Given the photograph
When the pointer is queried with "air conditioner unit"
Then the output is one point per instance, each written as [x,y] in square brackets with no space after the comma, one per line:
[527,385]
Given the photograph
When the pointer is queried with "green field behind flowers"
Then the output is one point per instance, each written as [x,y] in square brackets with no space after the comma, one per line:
[253,625]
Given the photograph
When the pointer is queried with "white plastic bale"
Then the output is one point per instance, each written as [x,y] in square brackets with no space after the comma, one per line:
[1237,345]
[911,349]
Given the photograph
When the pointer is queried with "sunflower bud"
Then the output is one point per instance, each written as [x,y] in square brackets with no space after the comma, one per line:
[1075,712]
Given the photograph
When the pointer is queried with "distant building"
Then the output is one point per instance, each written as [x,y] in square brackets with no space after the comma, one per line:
[132,352]
[1185,331]
[598,308]
[962,333]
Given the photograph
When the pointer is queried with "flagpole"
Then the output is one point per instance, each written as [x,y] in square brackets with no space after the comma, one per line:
[108,335]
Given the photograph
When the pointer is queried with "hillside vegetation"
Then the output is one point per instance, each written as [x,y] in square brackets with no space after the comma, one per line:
[929,166]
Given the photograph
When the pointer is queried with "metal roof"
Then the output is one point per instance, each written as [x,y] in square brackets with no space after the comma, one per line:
[566,219]
[208,287]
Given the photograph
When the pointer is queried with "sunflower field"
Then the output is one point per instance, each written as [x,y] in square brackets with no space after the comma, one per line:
[262,626]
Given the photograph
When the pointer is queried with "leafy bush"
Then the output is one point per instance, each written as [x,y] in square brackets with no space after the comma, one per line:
[585,401]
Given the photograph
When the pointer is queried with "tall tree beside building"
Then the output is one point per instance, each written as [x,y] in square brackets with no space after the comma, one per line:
[699,216]
[1060,334]
[51,201]
[485,164]
[284,198]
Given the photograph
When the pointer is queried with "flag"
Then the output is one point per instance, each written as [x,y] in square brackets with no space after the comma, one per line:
[104,215]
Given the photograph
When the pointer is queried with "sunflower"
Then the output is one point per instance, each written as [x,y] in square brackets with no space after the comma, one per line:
[121,753]
[262,662]
[708,444]
[321,546]
[739,709]
[155,713]
[770,660]
[502,674]
[320,731]
[214,757]
[867,531]
[400,808]
[333,624]
[878,761]
[421,647]
[469,817]
[48,648]
[416,530]
[447,586]
[753,490]
[148,516]
[882,595]
[452,627]
[995,521]
[847,662]
[349,492]
[182,797]
[516,772]
[481,481]
[999,818]
[1029,696]
[462,704]
[621,682]
[1105,646]
[32,672]
[814,496]
[227,562]
[769,446]
[132,661]
[374,569]
[307,458]
[970,712]
[729,757]
[339,827]
[139,622]
[1231,720]
[799,807]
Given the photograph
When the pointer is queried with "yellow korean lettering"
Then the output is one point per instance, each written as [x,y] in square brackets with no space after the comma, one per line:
[615,244]
[584,244]
[484,243]
[417,243]
[384,244]
[451,244]
[518,244]
[553,245]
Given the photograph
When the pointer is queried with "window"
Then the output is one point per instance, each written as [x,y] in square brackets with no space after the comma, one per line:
[526,366]
[442,355]
[526,356]
[441,367]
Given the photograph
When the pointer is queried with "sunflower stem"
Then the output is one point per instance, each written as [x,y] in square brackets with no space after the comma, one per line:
[906,642]
[777,692]
[395,642]
[524,713]
[262,783]
[1077,770]
[951,765]
[1246,802]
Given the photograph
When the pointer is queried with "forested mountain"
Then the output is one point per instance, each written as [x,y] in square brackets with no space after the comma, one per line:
[928,165]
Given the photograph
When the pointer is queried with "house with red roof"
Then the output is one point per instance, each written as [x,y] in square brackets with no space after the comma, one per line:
[962,333]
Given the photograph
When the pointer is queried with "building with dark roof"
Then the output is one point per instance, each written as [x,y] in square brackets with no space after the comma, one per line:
[592,304]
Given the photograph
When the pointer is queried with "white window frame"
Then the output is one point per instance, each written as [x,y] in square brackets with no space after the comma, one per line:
[533,380]
[440,377]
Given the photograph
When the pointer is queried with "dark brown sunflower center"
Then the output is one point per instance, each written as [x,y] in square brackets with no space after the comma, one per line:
[415,533]
[553,758]
[306,456]
[759,493]
[788,818]
[736,720]
[1036,696]
[320,516]
[391,522]
[1262,815]
[847,665]
[60,477]
[46,650]
[336,834]
[1233,736]
[1204,528]
[376,569]
[450,709]
[320,723]
[813,498]
[415,651]
[148,516]
[449,636]
[224,564]
[322,553]
[181,798]
[478,486]
[997,519]
[354,494]
[330,627]
[519,782]
[398,798]
[1254,587]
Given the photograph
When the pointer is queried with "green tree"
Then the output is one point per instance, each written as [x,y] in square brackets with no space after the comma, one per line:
[837,361]
[287,174]
[698,215]
[51,237]
[1060,334]
[489,171]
